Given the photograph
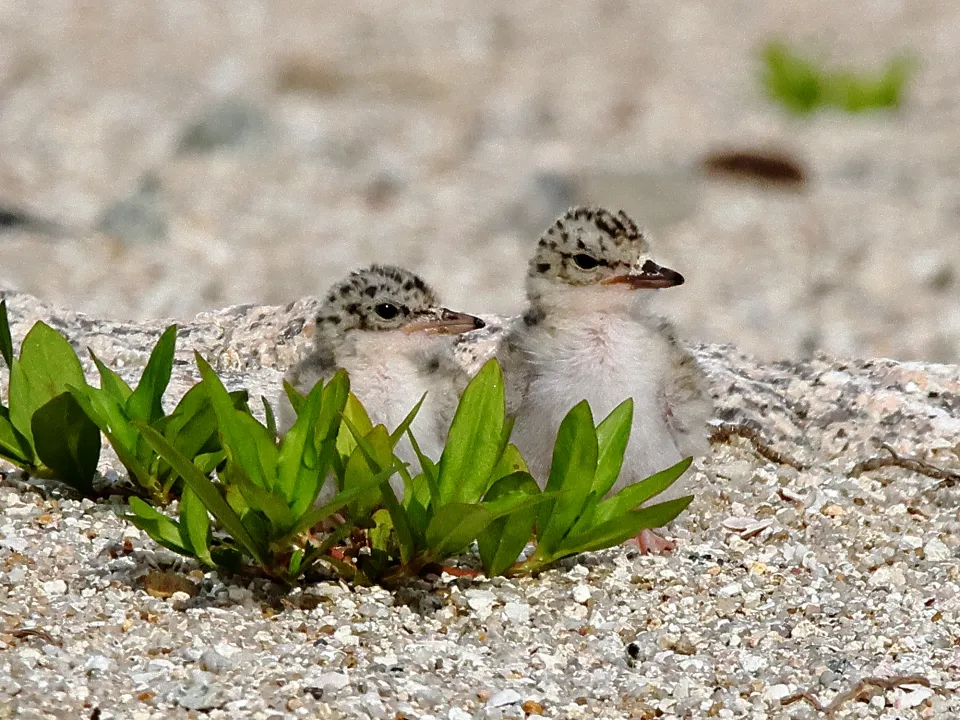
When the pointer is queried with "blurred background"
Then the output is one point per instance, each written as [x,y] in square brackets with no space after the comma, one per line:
[162,158]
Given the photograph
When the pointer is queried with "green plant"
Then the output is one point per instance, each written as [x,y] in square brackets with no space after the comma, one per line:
[263,498]
[119,411]
[44,431]
[802,87]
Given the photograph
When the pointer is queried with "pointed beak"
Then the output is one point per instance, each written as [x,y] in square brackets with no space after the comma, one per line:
[650,277]
[444,322]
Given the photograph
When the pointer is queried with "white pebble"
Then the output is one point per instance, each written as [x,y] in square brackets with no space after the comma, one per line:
[581,593]
[936,551]
[504,697]
[54,587]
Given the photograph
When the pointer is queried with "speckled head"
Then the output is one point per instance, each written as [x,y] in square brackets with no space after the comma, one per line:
[590,247]
[385,298]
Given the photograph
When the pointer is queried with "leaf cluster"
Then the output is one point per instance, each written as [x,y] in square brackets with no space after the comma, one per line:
[333,490]
[802,87]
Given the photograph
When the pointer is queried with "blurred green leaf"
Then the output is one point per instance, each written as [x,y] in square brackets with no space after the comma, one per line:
[110,382]
[6,341]
[158,526]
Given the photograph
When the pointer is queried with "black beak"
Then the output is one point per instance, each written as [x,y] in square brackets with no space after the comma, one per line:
[650,277]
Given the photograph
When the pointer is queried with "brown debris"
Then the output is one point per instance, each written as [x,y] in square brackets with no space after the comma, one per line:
[727,431]
[894,459]
[857,692]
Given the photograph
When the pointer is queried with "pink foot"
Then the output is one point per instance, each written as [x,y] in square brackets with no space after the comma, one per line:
[650,543]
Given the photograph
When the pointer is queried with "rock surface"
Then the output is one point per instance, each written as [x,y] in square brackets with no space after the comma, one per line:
[790,576]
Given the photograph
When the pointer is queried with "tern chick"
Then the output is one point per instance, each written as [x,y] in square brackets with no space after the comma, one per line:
[387,329]
[588,333]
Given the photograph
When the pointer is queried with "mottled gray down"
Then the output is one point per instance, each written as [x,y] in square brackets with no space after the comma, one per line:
[823,411]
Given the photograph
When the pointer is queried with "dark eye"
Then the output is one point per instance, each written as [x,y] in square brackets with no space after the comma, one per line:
[585,262]
[388,311]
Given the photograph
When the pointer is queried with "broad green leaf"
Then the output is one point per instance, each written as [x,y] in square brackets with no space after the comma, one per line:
[502,541]
[46,367]
[407,421]
[158,526]
[206,491]
[356,414]
[146,402]
[67,441]
[613,434]
[571,475]
[13,445]
[295,566]
[110,382]
[372,453]
[195,527]
[511,461]
[453,528]
[113,422]
[6,341]
[475,439]
[622,528]
[635,495]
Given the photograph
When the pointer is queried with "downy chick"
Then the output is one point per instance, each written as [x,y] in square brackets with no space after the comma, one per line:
[588,334]
[387,329]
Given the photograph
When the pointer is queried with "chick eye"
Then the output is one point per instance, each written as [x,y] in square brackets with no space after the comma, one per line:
[585,262]
[388,311]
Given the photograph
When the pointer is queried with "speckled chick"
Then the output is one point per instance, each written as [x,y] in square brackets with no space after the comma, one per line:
[387,328]
[588,333]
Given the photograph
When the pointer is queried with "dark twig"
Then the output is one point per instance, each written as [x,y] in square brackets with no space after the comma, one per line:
[949,477]
[725,432]
[855,693]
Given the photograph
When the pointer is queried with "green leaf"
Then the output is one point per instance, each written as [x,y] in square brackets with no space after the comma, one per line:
[6,341]
[502,541]
[195,527]
[267,502]
[511,461]
[47,366]
[355,413]
[307,449]
[158,526]
[454,528]
[107,413]
[295,397]
[382,532]
[372,453]
[613,434]
[571,475]
[13,446]
[339,501]
[246,442]
[635,495]
[475,440]
[146,402]
[269,416]
[110,382]
[622,528]
[429,470]
[207,492]
[407,421]
[67,441]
